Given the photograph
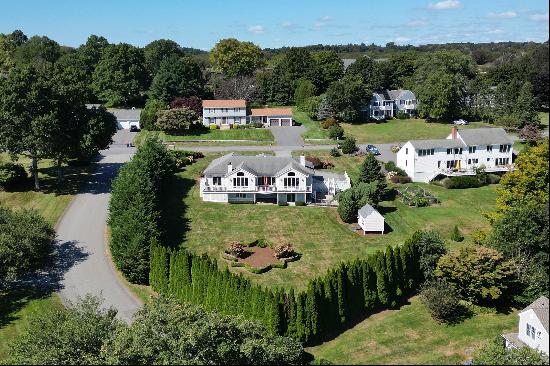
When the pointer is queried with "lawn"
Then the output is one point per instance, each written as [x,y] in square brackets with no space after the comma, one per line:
[544,118]
[313,128]
[410,336]
[16,308]
[315,232]
[250,134]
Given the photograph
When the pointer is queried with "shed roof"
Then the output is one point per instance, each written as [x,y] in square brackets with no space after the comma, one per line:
[540,307]
[224,103]
[271,112]
[260,165]
[367,210]
[484,136]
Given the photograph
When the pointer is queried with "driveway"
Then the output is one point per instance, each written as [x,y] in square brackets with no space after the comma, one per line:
[83,226]
[288,136]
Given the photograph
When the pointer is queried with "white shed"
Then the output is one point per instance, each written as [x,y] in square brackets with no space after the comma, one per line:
[370,220]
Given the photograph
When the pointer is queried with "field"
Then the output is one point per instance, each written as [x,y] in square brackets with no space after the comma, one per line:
[251,135]
[410,336]
[315,232]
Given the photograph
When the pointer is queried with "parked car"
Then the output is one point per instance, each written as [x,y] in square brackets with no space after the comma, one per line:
[134,128]
[460,122]
[373,150]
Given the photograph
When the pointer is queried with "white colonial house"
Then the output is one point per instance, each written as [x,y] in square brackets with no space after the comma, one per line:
[235,178]
[533,327]
[387,104]
[459,154]
[370,220]
[225,113]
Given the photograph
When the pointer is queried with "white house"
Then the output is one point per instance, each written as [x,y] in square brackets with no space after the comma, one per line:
[223,112]
[386,104]
[459,154]
[235,178]
[370,220]
[125,118]
[533,327]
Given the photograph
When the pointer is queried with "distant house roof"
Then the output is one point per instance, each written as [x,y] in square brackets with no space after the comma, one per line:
[230,103]
[271,112]
[540,307]
[260,165]
[125,114]
[484,136]
[348,61]
[437,143]
[401,94]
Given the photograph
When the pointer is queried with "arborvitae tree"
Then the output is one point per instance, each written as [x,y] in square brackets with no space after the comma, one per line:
[382,280]
[370,170]
[273,314]
[330,318]
[392,278]
[291,314]
[342,296]
[398,271]
[302,329]
[369,286]
[312,311]
[159,270]
[456,235]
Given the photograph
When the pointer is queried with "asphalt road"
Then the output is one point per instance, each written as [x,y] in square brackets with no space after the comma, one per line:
[82,228]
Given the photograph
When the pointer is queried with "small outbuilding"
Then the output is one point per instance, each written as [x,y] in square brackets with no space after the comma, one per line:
[371,220]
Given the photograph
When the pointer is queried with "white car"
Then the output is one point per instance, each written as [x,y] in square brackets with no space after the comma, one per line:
[461,122]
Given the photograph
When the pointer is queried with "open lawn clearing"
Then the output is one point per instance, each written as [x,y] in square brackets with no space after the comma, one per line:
[252,134]
[544,118]
[316,233]
[410,336]
[313,128]
[16,308]
[401,130]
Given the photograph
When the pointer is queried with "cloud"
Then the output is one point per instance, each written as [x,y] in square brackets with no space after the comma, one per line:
[287,24]
[256,29]
[539,17]
[504,15]
[326,18]
[417,23]
[323,22]
[445,4]
[495,31]
[401,39]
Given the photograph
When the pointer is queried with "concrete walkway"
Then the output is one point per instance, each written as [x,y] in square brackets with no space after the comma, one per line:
[83,227]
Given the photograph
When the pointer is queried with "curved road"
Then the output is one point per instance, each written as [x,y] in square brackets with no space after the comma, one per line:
[83,228]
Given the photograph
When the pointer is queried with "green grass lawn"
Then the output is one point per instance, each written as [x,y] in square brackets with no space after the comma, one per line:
[316,232]
[410,336]
[250,134]
[401,130]
[16,308]
[313,128]
[544,118]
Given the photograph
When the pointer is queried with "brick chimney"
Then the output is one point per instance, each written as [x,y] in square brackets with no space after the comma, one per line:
[229,167]
[454,133]
[302,160]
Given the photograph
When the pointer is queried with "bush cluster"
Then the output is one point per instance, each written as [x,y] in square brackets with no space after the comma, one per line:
[12,175]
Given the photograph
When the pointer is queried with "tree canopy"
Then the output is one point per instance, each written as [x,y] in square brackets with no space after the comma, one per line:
[235,58]
[177,77]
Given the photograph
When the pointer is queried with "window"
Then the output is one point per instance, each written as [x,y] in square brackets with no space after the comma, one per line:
[424,152]
[531,331]
[407,151]
[405,162]
[488,159]
[266,181]
[504,148]
[376,104]
[439,164]
[458,150]
[449,151]
[471,149]
[241,195]
[217,181]
[489,148]
[401,102]
[240,181]
[291,182]
[291,197]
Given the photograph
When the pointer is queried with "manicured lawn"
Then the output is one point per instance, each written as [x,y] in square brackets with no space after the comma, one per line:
[16,308]
[314,130]
[315,232]
[397,130]
[544,118]
[252,134]
[411,336]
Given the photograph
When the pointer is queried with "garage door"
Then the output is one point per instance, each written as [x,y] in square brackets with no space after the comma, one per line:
[274,122]
[286,122]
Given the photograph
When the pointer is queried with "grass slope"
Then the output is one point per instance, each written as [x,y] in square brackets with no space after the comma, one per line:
[251,134]
[410,336]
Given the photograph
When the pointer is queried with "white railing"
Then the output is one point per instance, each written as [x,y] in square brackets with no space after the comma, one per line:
[304,189]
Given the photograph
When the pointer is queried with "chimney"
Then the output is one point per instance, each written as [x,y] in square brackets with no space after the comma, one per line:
[229,167]
[302,160]
[454,133]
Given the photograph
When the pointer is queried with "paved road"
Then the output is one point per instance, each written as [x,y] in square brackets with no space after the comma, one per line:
[82,228]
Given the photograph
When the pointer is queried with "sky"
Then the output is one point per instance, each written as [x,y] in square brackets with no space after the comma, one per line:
[200,24]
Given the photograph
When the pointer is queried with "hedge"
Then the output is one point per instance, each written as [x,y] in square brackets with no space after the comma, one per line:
[349,291]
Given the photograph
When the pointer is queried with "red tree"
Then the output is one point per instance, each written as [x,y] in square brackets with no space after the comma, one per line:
[192,103]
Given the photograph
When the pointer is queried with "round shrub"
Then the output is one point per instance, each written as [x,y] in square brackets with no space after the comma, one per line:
[493,179]
[349,146]
[461,182]
[213,127]
[442,300]
[336,132]
[328,123]
[334,152]
[11,175]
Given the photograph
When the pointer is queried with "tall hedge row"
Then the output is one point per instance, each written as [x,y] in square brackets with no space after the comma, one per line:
[134,212]
[344,293]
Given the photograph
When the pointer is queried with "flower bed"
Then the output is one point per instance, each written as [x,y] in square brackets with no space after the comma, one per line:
[259,257]
[416,196]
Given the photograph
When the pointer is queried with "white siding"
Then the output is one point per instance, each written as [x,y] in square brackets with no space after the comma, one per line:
[405,159]
[540,341]
[372,223]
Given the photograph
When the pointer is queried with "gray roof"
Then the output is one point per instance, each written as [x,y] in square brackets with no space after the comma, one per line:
[348,61]
[367,210]
[125,114]
[540,307]
[438,143]
[401,94]
[484,136]
[260,165]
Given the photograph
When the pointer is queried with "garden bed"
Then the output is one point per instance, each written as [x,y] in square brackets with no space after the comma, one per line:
[416,196]
[258,257]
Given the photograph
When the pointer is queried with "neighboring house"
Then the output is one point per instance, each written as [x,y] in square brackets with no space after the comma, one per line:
[225,113]
[533,327]
[234,178]
[370,220]
[125,118]
[386,104]
[459,154]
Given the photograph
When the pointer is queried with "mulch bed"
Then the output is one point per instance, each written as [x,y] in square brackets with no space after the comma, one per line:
[260,257]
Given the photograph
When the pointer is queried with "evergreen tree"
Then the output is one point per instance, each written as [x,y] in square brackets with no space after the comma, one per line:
[382,280]
[342,296]
[312,311]
[370,170]
[369,286]
[392,277]
[325,110]
[525,110]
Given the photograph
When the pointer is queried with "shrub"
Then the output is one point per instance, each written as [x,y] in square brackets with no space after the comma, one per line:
[329,122]
[334,152]
[192,103]
[390,166]
[336,132]
[416,196]
[347,206]
[182,158]
[257,124]
[311,106]
[398,179]
[236,249]
[495,353]
[493,179]
[461,182]
[283,203]
[11,175]
[299,203]
[148,115]
[431,247]
[401,115]
[176,121]
[442,300]
[213,126]
[457,235]
[349,146]
[284,251]
[315,161]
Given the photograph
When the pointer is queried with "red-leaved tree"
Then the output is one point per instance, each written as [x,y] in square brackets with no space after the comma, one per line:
[192,103]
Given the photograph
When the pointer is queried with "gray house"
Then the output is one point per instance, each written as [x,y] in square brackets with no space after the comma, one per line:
[389,103]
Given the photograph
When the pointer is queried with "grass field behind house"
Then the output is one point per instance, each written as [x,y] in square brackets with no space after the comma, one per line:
[410,336]
[316,232]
